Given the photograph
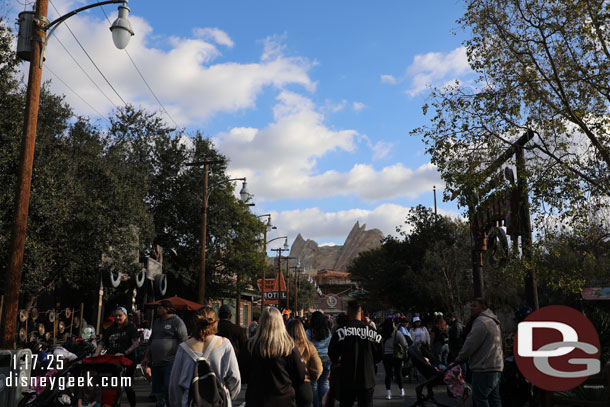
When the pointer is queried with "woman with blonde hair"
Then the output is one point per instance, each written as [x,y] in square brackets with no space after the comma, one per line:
[272,363]
[204,343]
[313,363]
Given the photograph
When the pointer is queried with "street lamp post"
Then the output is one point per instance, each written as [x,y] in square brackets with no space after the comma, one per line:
[265,268]
[268,227]
[244,196]
[297,269]
[38,23]
[279,250]
[288,258]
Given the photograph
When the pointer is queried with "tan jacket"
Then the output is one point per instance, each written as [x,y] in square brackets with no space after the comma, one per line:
[313,365]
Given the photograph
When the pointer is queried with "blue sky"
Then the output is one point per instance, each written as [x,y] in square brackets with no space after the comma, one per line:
[313,101]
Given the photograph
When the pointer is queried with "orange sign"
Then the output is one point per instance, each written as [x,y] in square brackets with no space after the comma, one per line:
[274,288]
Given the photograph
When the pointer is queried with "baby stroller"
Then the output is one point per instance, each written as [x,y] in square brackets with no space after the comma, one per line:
[106,373]
[451,376]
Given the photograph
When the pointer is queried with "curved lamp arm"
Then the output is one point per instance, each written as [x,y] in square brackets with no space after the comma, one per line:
[45,25]
[221,182]
[277,238]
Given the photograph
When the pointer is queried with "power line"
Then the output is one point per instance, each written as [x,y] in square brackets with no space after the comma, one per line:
[73,91]
[151,91]
[85,72]
[90,59]
[142,76]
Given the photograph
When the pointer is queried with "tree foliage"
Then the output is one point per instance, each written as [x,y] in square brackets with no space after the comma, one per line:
[92,185]
[570,261]
[428,266]
[541,65]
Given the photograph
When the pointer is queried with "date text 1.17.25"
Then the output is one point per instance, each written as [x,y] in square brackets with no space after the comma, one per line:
[51,362]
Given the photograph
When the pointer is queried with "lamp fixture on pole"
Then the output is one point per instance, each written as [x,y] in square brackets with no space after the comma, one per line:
[33,27]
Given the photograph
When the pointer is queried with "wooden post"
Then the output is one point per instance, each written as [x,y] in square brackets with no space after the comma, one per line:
[55,328]
[204,226]
[296,293]
[99,306]
[264,270]
[476,253]
[80,326]
[12,280]
[531,290]
[71,321]
[237,302]
[287,282]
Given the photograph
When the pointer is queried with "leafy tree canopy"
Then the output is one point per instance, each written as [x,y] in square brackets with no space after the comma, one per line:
[541,65]
[428,266]
[92,185]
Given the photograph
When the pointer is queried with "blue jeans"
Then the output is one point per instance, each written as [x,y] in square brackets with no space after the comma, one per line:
[486,389]
[440,352]
[160,383]
[320,387]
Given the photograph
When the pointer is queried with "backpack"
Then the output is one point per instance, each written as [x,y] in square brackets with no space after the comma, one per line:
[400,352]
[206,390]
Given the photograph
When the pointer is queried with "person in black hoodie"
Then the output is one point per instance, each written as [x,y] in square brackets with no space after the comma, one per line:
[358,347]
[231,331]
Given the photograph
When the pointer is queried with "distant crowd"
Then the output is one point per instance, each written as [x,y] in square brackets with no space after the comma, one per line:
[303,362]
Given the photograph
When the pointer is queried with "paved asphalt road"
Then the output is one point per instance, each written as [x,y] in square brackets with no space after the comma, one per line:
[142,388]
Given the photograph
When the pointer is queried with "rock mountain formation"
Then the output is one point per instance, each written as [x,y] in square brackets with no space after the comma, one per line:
[314,257]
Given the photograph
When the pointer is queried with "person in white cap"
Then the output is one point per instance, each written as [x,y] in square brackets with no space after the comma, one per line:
[419,333]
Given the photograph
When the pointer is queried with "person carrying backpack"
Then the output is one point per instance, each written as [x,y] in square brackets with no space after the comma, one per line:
[394,351]
[191,383]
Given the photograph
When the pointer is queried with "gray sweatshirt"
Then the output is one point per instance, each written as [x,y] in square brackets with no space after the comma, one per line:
[388,345]
[222,360]
[483,345]
[167,334]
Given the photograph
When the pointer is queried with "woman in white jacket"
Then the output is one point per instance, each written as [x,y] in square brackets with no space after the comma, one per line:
[220,355]
[419,333]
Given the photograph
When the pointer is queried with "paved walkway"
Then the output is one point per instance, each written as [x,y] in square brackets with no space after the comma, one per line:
[142,388]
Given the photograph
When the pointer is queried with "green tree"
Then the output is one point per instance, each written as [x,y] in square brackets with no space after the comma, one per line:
[427,265]
[570,261]
[541,65]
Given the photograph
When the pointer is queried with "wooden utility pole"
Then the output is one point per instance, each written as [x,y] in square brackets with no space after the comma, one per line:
[204,227]
[531,289]
[264,271]
[296,292]
[279,250]
[12,281]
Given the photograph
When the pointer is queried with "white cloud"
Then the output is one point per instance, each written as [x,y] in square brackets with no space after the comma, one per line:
[184,76]
[217,35]
[389,79]
[436,68]
[280,160]
[333,107]
[358,106]
[382,149]
[315,224]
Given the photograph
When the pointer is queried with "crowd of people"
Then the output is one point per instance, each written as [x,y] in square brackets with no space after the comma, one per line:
[303,362]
